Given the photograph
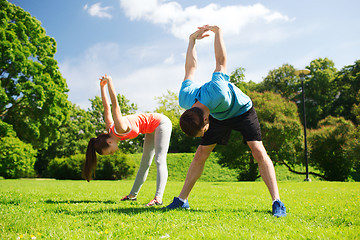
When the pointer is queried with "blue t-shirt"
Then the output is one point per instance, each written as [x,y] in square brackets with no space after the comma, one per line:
[223,98]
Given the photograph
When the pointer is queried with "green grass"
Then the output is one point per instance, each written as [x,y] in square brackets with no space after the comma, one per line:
[50,209]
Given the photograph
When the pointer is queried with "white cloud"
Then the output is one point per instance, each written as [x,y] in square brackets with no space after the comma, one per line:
[96,10]
[170,59]
[182,21]
[140,83]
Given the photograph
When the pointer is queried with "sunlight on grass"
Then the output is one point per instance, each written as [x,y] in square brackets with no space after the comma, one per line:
[50,209]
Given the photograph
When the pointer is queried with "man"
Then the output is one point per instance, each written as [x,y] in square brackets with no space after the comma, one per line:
[214,110]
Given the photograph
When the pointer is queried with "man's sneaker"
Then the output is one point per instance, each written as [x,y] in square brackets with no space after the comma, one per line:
[278,209]
[177,203]
[126,198]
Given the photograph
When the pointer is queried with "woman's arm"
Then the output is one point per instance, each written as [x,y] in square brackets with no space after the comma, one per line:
[107,112]
[121,125]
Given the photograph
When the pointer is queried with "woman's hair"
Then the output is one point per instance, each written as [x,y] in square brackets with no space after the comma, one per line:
[192,121]
[96,145]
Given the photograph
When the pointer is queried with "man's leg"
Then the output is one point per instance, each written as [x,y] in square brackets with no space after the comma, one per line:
[267,172]
[266,167]
[195,170]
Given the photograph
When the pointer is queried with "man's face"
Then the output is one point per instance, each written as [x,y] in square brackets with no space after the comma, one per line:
[203,130]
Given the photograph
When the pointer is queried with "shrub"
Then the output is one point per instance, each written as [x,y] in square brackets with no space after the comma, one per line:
[17,158]
[66,168]
[111,167]
[327,148]
[114,167]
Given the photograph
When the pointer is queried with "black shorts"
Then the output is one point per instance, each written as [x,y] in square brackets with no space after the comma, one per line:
[219,130]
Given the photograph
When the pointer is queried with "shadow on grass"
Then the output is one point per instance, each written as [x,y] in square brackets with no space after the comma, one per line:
[136,210]
[79,201]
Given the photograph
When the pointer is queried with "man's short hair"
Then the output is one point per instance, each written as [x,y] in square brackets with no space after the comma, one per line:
[192,121]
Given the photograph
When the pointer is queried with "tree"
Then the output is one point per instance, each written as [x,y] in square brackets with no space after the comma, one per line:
[33,93]
[327,148]
[281,132]
[237,77]
[282,81]
[352,151]
[169,106]
[75,133]
[16,157]
[320,91]
[348,90]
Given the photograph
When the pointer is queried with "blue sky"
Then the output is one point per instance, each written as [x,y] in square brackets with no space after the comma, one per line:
[142,43]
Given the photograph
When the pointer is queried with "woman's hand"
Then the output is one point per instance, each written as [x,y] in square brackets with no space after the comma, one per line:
[104,80]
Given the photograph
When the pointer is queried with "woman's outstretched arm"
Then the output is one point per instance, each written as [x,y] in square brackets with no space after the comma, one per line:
[107,111]
[121,125]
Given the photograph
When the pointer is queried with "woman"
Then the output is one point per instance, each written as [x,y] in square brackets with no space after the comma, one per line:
[157,129]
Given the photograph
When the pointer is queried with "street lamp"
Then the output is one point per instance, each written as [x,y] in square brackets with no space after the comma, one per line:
[302,74]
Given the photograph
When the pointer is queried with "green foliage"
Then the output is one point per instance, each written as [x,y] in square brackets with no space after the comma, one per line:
[237,77]
[33,93]
[281,131]
[6,130]
[327,151]
[348,95]
[320,91]
[282,81]
[352,151]
[355,111]
[66,167]
[16,158]
[110,167]
[114,167]
[75,133]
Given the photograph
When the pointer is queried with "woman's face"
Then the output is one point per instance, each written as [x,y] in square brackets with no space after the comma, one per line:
[113,147]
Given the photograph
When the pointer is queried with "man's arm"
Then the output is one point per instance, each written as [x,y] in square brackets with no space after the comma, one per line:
[121,126]
[191,56]
[220,50]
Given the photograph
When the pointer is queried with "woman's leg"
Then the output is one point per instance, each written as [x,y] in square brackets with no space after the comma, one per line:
[146,159]
[162,139]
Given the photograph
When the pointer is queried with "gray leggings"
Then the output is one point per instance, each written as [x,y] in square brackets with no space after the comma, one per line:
[155,144]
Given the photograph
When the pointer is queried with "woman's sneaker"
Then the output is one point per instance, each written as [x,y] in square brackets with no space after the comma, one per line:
[153,203]
[126,198]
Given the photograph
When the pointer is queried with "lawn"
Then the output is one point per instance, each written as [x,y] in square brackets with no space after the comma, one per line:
[54,209]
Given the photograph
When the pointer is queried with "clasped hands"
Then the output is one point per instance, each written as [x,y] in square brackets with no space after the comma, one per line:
[104,80]
[201,32]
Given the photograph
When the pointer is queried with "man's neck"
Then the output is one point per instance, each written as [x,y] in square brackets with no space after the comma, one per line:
[202,107]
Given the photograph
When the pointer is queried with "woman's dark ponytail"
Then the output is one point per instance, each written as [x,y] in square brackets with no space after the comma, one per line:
[96,145]
[90,161]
